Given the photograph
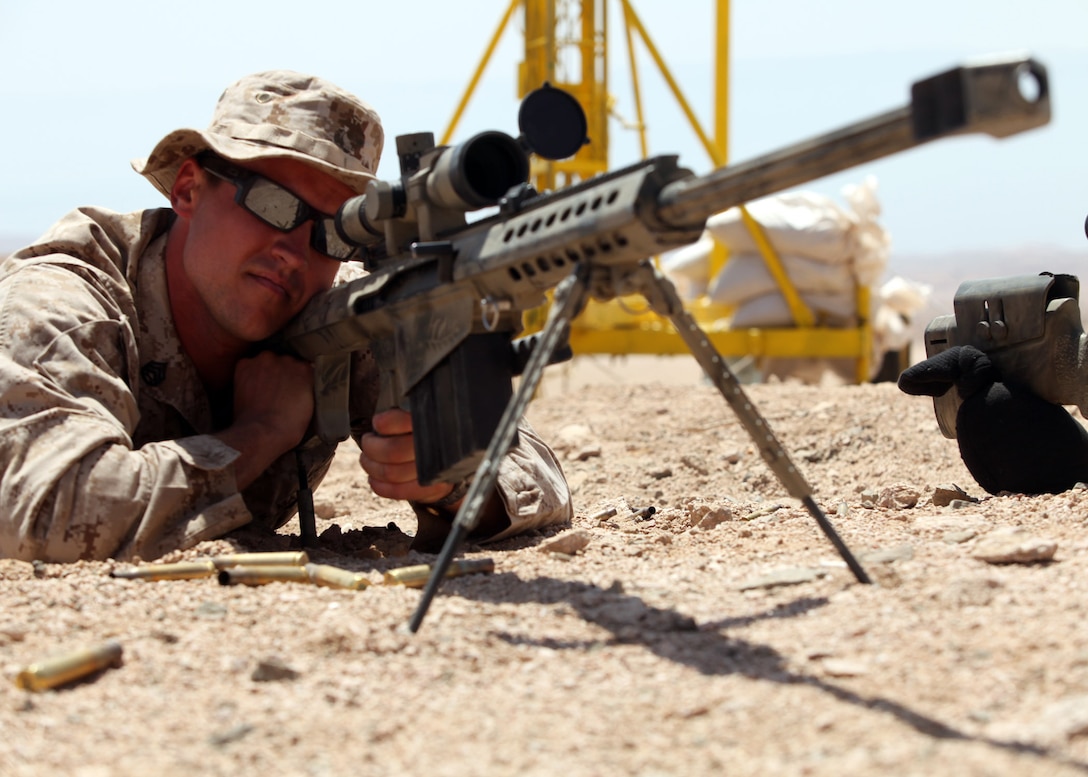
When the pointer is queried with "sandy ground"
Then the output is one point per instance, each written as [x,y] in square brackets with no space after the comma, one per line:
[723,635]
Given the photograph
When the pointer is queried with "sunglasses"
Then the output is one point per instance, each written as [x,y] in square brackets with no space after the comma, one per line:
[279,208]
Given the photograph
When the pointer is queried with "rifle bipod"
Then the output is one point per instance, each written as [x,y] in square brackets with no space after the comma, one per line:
[568,300]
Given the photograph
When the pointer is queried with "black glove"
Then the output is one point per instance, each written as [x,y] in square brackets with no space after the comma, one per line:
[1010,439]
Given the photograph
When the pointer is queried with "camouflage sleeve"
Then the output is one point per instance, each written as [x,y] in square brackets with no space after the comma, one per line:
[71,484]
[532,486]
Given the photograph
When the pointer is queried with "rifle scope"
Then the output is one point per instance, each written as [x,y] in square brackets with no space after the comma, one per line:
[478,172]
[354,227]
[471,175]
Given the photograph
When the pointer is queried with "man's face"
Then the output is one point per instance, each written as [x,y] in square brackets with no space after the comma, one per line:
[246,277]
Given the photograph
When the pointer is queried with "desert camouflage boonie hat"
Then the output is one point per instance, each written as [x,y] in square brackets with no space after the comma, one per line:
[281,114]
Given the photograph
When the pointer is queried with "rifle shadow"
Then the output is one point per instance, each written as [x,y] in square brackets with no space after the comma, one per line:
[703,647]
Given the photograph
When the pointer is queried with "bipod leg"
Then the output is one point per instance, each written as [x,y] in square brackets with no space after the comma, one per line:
[566,302]
[661,294]
[307,521]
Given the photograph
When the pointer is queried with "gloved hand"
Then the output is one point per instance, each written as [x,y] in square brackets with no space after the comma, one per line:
[1010,439]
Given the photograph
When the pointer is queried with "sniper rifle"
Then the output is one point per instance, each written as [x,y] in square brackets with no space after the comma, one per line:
[442,305]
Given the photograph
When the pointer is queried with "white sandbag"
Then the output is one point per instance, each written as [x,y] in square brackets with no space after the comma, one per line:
[872,242]
[891,331]
[905,296]
[689,267]
[835,310]
[800,223]
[816,227]
[745,276]
[898,301]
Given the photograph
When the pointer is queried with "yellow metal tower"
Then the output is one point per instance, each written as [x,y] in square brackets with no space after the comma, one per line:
[566,45]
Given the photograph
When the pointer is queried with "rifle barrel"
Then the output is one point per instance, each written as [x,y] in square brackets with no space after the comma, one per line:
[1000,97]
[697,198]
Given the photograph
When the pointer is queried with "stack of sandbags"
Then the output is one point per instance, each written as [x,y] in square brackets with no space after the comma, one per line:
[826,251]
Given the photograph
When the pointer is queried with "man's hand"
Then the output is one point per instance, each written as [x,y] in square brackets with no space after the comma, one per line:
[273,405]
[389,458]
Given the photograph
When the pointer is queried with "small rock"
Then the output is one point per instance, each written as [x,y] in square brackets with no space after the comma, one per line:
[326,511]
[233,734]
[211,611]
[635,615]
[956,537]
[946,494]
[273,669]
[1013,546]
[576,442]
[13,632]
[706,515]
[839,667]
[904,552]
[569,542]
[713,518]
[898,496]
[780,577]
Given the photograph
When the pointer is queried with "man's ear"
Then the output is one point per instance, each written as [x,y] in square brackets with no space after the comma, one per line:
[183,192]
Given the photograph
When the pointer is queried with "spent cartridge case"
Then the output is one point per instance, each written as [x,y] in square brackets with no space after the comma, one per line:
[287,558]
[207,567]
[335,577]
[418,575]
[317,574]
[262,575]
[67,667]
[182,570]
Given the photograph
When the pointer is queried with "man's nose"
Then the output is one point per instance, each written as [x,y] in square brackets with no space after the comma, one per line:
[294,246]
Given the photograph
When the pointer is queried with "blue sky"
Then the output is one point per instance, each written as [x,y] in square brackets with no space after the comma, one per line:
[103,82]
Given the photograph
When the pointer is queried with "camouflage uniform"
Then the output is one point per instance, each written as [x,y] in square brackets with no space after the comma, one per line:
[105,427]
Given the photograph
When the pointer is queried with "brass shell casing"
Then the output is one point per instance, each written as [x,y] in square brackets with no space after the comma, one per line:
[183,570]
[317,574]
[335,577]
[66,667]
[207,567]
[291,558]
[262,575]
[418,575]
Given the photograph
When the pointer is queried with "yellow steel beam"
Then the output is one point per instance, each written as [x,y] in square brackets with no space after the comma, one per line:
[813,342]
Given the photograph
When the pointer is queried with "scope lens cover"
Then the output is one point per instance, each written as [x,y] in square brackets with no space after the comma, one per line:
[552,123]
